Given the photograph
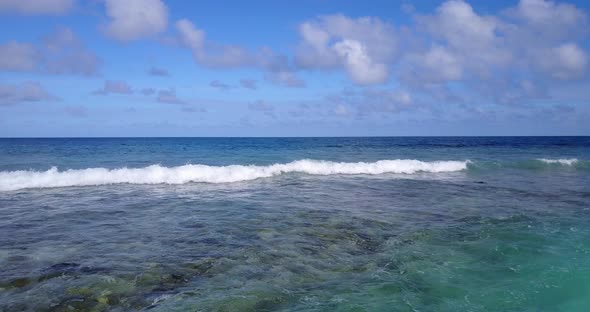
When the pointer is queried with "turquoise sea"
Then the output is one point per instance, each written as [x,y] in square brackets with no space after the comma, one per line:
[295,224]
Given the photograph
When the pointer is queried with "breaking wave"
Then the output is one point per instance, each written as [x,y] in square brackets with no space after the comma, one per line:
[156,174]
[561,161]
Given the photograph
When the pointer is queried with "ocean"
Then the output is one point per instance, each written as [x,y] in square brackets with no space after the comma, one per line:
[295,224]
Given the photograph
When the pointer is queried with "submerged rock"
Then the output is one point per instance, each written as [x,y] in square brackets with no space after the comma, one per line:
[68,268]
[201,267]
[20,282]
[74,304]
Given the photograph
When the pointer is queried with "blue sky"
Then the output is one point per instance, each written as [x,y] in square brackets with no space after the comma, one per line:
[308,68]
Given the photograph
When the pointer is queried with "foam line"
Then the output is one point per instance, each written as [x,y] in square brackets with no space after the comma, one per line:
[156,174]
[561,161]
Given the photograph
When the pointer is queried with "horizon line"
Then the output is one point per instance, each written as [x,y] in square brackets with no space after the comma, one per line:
[292,137]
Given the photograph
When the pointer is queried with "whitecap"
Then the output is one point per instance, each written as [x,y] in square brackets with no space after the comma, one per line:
[157,174]
[561,161]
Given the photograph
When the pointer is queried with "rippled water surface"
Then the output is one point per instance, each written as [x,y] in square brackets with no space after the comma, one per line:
[505,228]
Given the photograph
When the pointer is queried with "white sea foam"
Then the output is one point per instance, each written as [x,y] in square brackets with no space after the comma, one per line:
[561,161]
[156,174]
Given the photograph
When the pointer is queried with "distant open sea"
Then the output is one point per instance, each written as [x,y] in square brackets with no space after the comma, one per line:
[295,224]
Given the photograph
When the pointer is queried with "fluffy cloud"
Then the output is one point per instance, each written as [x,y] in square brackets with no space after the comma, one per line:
[15,56]
[460,27]
[360,66]
[215,55]
[25,92]
[566,61]
[37,7]
[364,47]
[114,87]
[453,45]
[135,19]
[193,37]
[64,53]
[212,54]
[464,41]
[553,20]
[558,52]
[435,65]
[60,52]
[502,57]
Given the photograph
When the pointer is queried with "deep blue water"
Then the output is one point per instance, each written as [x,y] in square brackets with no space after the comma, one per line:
[136,152]
[340,224]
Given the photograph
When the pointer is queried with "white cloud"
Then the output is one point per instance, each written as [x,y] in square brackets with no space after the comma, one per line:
[534,25]
[360,67]
[364,47]
[37,7]
[454,54]
[221,56]
[314,51]
[466,40]
[135,19]
[64,53]
[212,54]
[225,56]
[60,52]
[437,64]
[442,64]
[494,56]
[547,37]
[566,61]
[191,36]
[550,17]
[15,56]
[457,23]
[25,92]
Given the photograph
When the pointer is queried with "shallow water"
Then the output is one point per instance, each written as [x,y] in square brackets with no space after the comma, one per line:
[509,232]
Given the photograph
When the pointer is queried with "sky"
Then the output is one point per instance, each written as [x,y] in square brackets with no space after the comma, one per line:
[136,68]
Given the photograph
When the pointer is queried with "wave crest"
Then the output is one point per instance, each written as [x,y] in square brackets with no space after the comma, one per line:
[561,161]
[156,174]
